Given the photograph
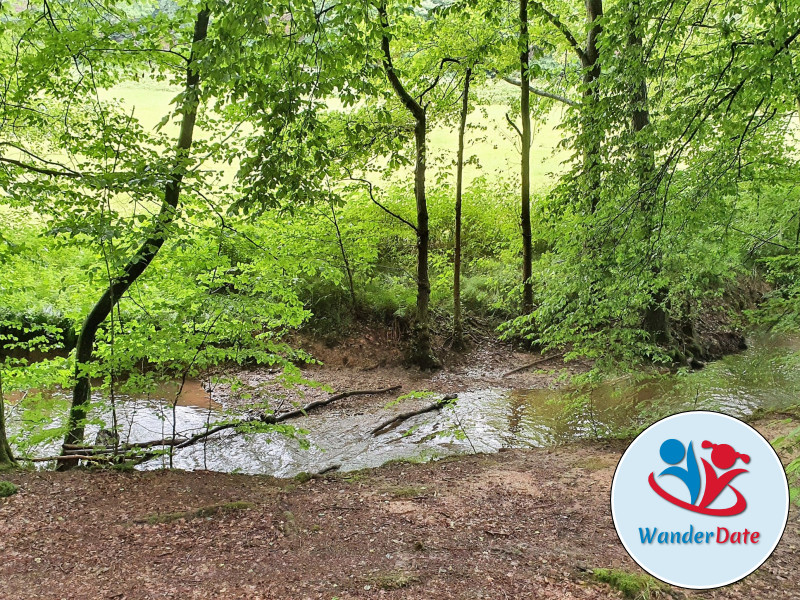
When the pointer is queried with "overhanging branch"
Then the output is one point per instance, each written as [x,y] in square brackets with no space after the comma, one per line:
[540,92]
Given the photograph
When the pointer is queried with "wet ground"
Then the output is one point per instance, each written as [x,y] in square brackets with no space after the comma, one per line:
[515,524]
[493,411]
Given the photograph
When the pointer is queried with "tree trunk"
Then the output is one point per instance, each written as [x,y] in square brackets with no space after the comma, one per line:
[640,117]
[656,316]
[6,456]
[592,138]
[458,328]
[140,261]
[345,260]
[421,349]
[525,209]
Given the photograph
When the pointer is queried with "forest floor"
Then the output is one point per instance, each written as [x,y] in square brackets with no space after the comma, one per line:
[517,524]
[371,357]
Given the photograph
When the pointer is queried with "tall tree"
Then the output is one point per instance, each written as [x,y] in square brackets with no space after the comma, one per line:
[146,252]
[458,326]
[656,316]
[422,351]
[525,110]
[590,137]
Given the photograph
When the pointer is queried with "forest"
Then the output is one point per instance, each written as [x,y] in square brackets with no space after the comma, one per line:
[581,215]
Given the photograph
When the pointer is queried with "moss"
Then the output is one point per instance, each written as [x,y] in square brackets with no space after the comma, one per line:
[303,477]
[594,463]
[204,512]
[7,489]
[631,585]
[392,580]
[407,491]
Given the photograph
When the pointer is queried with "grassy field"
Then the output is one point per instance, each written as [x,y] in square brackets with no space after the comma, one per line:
[489,138]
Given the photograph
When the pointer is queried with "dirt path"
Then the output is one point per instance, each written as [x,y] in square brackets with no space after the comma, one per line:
[518,524]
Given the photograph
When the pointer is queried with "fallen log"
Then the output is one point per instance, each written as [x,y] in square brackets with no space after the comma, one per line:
[106,453]
[533,364]
[123,447]
[67,457]
[272,419]
[397,419]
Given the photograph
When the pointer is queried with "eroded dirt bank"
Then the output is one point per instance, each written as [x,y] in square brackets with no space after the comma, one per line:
[517,524]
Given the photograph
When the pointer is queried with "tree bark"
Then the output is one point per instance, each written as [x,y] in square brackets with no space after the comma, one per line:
[421,349]
[525,110]
[458,328]
[6,456]
[592,138]
[656,315]
[141,260]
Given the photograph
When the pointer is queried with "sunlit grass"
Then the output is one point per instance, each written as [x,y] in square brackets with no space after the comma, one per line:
[489,137]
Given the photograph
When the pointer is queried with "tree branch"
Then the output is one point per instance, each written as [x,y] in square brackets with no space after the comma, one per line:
[542,93]
[397,419]
[378,204]
[559,24]
[272,419]
[408,101]
[40,170]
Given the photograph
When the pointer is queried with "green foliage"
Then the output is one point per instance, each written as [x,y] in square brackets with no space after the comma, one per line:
[296,207]
[642,587]
[7,489]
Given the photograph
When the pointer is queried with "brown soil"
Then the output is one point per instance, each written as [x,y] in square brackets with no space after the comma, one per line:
[519,524]
[372,358]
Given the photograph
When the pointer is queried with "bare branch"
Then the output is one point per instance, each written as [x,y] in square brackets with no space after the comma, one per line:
[540,92]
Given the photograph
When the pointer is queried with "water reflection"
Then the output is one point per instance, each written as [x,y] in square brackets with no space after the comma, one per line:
[765,376]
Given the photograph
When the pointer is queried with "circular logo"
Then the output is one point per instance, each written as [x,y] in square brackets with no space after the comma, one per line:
[699,500]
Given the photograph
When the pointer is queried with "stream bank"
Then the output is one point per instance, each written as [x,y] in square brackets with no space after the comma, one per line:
[515,524]
[494,411]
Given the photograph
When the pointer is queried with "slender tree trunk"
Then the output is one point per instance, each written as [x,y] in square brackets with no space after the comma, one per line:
[140,261]
[656,316]
[345,260]
[640,117]
[592,135]
[525,209]
[458,328]
[6,456]
[421,351]
[797,234]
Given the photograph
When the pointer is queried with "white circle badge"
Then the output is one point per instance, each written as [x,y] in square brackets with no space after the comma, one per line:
[699,500]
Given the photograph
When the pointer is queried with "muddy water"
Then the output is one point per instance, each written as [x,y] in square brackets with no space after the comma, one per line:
[767,375]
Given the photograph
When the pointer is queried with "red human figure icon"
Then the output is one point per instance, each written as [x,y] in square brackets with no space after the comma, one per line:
[724,457]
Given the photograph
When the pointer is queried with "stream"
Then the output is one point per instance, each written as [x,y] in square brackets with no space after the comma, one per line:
[765,376]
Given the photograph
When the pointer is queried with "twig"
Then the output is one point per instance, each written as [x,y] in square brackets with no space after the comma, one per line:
[397,419]
[533,364]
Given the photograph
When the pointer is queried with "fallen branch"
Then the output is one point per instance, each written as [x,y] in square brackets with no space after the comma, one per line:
[67,457]
[124,447]
[397,419]
[105,453]
[302,411]
[272,419]
[533,364]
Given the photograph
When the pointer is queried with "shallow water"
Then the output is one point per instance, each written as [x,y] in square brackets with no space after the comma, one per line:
[767,375]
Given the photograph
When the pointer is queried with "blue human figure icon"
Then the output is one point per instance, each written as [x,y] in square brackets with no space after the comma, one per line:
[672,453]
